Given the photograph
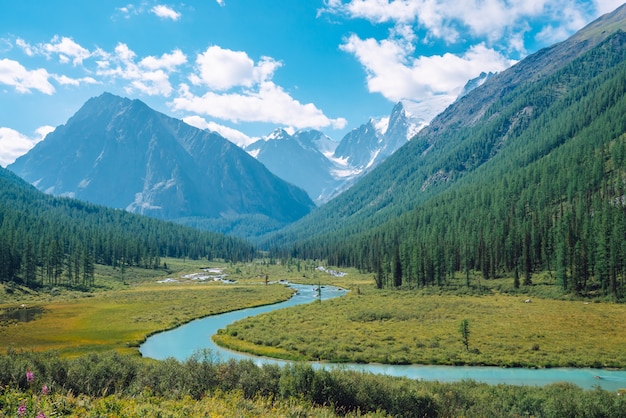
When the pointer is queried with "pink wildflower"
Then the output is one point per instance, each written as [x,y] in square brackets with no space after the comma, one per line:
[30,376]
[21,410]
[40,415]
[45,390]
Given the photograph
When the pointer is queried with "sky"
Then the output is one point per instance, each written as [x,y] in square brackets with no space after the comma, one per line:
[245,67]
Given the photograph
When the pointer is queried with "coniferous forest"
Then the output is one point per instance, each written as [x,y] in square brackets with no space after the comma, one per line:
[520,184]
[53,241]
[539,186]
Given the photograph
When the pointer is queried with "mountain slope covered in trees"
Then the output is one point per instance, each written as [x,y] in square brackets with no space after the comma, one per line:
[423,167]
[526,173]
[53,240]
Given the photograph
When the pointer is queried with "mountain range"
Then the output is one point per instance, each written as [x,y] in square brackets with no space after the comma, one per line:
[324,167]
[122,154]
[512,121]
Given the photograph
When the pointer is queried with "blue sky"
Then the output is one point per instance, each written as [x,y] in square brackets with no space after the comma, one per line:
[245,67]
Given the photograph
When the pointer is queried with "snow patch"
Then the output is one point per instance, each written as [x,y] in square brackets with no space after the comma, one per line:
[140,203]
[373,159]
[381,125]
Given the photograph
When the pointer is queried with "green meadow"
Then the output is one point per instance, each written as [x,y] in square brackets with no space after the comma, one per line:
[82,346]
[122,312]
[422,326]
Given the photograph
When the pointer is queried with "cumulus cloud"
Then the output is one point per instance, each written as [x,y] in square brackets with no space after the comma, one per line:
[65,48]
[222,69]
[68,81]
[451,19]
[267,103]
[13,144]
[166,61]
[165,12]
[606,6]
[14,74]
[149,76]
[393,71]
[242,90]
[233,135]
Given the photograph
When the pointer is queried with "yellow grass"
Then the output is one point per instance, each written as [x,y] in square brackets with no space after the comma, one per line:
[120,319]
[407,327]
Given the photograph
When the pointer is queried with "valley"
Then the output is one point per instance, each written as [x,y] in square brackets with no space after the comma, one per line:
[99,332]
[492,235]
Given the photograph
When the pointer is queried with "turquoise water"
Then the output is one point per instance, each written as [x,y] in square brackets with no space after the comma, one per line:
[182,342]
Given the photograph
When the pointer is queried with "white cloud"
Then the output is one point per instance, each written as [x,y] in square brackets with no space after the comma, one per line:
[167,61]
[67,50]
[221,2]
[12,73]
[26,47]
[222,69]
[455,20]
[268,103]
[233,135]
[152,83]
[233,87]
[572,19]
[165,12]
[150,76]
[393,72]
[65,80]
[128,10]
[14,144]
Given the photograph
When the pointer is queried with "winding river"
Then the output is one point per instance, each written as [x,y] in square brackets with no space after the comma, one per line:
[182,342]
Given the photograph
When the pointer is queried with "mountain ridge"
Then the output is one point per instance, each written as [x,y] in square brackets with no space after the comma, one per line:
[325,168]
[120,153]
[427,161]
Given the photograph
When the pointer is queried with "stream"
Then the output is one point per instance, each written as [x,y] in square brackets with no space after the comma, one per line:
[181,342]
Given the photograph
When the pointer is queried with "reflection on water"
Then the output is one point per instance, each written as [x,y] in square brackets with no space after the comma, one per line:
[20,314]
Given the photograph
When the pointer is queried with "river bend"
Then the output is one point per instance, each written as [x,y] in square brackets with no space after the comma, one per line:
[183,341]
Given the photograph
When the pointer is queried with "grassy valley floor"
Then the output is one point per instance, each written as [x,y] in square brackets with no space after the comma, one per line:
[422,327]
[120,314]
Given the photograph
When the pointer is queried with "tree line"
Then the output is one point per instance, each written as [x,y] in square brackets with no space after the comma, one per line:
[539,186]
[50,240]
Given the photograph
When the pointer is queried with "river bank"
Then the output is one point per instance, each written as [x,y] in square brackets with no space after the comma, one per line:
[182,342]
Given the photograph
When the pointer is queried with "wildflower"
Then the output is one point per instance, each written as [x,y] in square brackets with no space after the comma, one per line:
[30,376]
[21,410]
[40,415]
[45,390]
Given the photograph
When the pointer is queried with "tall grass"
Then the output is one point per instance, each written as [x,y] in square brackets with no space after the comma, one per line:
[125,386]
[413,327]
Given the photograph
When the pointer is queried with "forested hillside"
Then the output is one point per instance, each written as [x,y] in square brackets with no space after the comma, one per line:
[440,154]
[535,182]
[48,240]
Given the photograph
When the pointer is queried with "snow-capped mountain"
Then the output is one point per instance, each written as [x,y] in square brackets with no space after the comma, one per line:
[475,82]
[301,159]
[323,167]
